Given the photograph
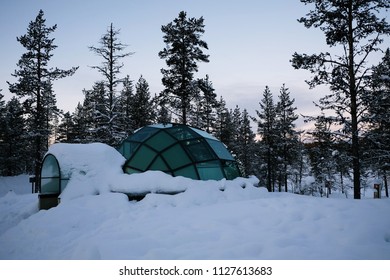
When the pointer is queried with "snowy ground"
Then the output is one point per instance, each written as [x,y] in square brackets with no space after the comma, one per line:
[203,222]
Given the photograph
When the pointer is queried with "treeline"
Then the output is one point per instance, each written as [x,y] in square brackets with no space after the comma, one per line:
[275,151]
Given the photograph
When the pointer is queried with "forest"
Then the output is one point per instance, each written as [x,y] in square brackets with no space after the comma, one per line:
[349,141]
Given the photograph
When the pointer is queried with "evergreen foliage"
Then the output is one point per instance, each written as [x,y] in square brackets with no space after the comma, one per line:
[204,115]
[142,107]
[287,140]
[355,27]
[267,130]
[355,138]
[377,152]
[108,117]
[183,51]
[34,85]
[15,155]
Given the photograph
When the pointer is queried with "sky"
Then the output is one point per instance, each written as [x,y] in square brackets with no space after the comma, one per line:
[250,44]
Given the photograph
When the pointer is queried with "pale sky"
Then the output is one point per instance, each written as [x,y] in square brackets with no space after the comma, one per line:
[250,44]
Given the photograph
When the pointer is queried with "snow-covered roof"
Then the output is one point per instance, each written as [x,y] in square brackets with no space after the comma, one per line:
[85,158]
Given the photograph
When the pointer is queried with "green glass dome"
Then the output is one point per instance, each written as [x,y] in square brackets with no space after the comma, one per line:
[178,150]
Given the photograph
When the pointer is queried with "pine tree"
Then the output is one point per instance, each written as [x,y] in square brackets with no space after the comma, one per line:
[206,104]
[81,124]
[111,51]
[15,157]
[163,115]
[224,124]
[66,133]
[35,82]
[125,106]
[267,130]
[2,133]
[355,27]
[378,117]
[246,144]
[287,144]
[322,161]
[142,108]
[96,115]
[183,51]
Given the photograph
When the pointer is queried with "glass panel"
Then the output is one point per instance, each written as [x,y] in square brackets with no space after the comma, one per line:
[128,148]
[199,150]
[231,170]
[143,133]
[160,141]
[210,170]
[188,172]
[220,149]
[182,133]
[204,134]
[50,185]
[159,164]
[64,183]
[130,170]
[50,167]
[142,158]
[176,157]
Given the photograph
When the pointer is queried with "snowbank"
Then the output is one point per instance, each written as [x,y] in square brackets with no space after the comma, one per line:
[206,220]
[91,158]
[97,168]
[200,223]
[89,167]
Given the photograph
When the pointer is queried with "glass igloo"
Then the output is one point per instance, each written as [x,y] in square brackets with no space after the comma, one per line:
[178,150]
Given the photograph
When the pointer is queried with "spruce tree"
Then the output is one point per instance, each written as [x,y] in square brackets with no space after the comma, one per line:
[66,133]
[142,109]
[81,124]
[246,144]
[206,104]
[321,151]
[287,144]
[183,51]
[224,124]
[2,133]
[355,27]
[126,99]
[15,156]
[267,130]
[377,138]
[34,83]
[96,114]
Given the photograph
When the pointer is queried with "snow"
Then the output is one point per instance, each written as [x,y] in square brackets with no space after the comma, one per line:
[86,158]
[206,220]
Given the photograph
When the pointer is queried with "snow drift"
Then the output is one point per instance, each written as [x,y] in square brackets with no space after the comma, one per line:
[207,220]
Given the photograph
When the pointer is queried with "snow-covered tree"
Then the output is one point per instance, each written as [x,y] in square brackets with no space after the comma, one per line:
[126,99]
[34,83]
[224,125]
[354,26]
[66,133]
[267,130]
[321,153]
[205,106]
[96,115]
[142,110]
[81,124]
[287,140]
[246,144]
[15,155]
[111,50]
[378,136]
[183,51]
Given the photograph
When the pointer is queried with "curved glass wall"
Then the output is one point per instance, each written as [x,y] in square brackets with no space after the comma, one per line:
[178,150]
